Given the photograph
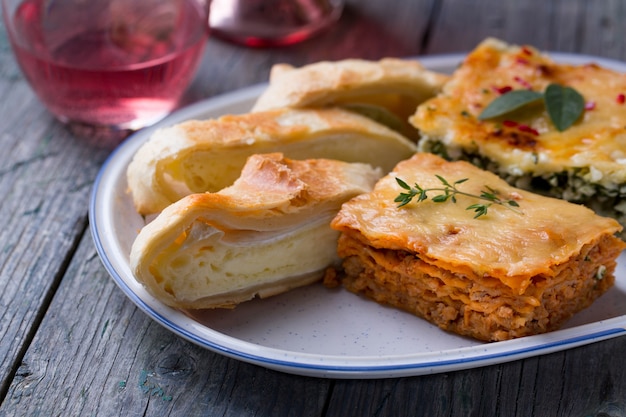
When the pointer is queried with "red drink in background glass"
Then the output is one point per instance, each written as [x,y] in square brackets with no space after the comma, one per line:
[267,23]
[119,65]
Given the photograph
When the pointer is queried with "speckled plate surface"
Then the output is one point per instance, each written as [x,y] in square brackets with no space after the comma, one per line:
[315,331]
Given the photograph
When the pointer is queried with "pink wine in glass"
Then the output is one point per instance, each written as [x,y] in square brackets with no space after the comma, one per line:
[266,23]
[109,65]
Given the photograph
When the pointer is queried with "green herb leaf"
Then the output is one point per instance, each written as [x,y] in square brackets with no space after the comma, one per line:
[564,105]
[509,102]
[449,192]
[479,209]
[403,184]
[405,198]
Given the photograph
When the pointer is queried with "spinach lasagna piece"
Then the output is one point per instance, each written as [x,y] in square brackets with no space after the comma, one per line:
[517,270]
[585,163]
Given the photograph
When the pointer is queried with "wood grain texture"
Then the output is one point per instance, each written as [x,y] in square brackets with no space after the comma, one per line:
[577,382]
[45,178]
[97,354]
[560,25]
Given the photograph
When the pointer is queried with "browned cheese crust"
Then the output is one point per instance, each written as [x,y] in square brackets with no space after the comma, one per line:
[584,163]
[501,276]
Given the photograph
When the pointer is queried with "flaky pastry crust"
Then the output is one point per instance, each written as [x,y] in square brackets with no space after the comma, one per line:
[207,155]
[267,233]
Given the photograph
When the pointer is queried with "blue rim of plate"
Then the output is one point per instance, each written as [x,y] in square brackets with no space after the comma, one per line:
[330,366]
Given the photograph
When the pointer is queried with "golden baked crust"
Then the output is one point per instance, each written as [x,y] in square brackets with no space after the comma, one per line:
[267,233]
[380,89]
[207,155]
[505,274]
[330,83]
[585,163]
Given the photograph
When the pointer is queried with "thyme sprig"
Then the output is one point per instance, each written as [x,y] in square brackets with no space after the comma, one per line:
[449,192]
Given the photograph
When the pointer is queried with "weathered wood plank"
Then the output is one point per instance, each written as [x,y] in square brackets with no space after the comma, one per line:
[603,32]
[567,26]
[45,177]
[45,193]
[97,354]
[586,381]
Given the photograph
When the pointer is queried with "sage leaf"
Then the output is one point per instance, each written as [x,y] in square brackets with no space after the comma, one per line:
[564,105]
[509,102]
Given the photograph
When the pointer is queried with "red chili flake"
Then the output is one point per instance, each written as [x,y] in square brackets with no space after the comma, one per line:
[544,70]
[528,129]
[510,123]
[523,82]
[522,61]
[527,51]
[621,98]
[590,105]
[503,90]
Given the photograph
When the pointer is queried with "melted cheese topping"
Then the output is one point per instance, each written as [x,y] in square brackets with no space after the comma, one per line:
[504,244]
[598,139]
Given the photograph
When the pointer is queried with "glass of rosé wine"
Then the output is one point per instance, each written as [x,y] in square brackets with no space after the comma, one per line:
[267,23]
[107,67]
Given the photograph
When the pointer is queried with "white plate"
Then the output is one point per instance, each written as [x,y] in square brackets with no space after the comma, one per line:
[315,331]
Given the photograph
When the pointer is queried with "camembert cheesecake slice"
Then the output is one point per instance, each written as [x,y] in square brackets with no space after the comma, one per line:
[584,163]
[387,90]
[199,156]
[518,269]
[267,233]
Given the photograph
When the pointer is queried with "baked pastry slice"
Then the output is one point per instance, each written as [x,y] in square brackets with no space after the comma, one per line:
[207,155]
[519,269]
[387,90]
[584,163]
[267,233]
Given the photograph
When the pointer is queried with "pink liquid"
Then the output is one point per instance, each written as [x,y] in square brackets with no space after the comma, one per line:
[267,23]
[108,73]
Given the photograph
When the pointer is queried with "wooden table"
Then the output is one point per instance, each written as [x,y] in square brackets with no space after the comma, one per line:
[72,344]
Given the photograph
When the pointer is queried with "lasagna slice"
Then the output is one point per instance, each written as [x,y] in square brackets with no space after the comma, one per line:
[585,163]
[523,267]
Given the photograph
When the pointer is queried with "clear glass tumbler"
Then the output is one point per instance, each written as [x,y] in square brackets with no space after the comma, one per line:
[266,23]
[107,67]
